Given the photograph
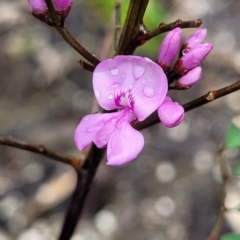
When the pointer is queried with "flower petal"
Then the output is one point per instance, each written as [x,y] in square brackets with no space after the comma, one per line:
[149,91]
[115,79]
[124,145]
[90,125]
[170,114]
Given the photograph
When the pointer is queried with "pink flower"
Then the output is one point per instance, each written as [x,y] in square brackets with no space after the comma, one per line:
[135,86]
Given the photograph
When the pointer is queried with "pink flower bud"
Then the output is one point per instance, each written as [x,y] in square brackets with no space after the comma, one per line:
[39,9]
[195,39]
[189,79]
[170,113]
[192,58]
[62,7]
[169,48]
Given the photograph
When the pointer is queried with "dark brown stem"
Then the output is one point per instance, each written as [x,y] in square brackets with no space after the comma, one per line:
[86,66]
[209,97]
[40,149]
[85,177]
[131,26]
[162,28]
[117,23]
[57,23]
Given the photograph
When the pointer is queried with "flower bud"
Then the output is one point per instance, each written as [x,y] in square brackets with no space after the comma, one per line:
[39,9]
[195,39]
[170,113]
[189,79]
[169,48]
[62,7]
[192,58]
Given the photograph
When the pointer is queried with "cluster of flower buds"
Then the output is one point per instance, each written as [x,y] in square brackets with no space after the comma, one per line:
[192,53]
[41,12]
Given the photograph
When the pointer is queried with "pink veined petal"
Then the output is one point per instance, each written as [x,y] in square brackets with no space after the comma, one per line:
[102,136]
[112,77]
[89,126]
[124,145]
[149,91]
[118,82]
[170,114]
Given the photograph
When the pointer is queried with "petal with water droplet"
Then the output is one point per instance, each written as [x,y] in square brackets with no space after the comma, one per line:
[124,145]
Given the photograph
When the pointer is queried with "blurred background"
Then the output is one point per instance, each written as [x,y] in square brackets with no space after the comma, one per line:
[171,191]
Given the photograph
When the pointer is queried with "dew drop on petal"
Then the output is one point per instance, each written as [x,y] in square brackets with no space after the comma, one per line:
[110,96]
[93,128]
[130,86]
[108,84]
[148,91]
[185,51]
[97,93]
[115,71]
[116,84]
[196,41]
[138,71]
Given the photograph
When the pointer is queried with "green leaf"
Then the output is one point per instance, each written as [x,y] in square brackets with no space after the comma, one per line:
[232,139]
[230,236]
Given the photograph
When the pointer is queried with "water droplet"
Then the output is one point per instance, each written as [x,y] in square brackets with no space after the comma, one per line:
[116,84]
[185,51]
[138,71]
[97,93]
[110,96]
[123,76]
[93,128]
[108,84]
[149,91]
[115,71]
[196,41]
[130,86]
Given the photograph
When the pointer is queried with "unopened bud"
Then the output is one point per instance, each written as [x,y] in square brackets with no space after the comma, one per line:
[192,58]
[62,7]
[195,39]
[39,9]
[169,48]
[189,79]
[170,113]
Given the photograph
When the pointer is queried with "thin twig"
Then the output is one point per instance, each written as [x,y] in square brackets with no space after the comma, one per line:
[163,27]
[86,66]
[40,149]
[84,181]
[216,230]
[117,23]
[57,23]
[209,97]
